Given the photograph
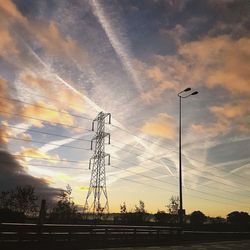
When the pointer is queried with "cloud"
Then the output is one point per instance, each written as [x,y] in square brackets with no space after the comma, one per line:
[212,129]
[48,113]
[177,34]
[7,43]
[9,17]
[47,35]
[65,98]
[7,106]
[27,154]
[8,8]
[13,174]
[211,61]
[25,136]
[219,61]
[161,126]
[117,40]
[229,117]
[240,109]
[4,134]
[160,83]
[56,43]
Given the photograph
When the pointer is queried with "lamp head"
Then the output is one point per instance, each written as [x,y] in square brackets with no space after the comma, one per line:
[195,93]
[187,89]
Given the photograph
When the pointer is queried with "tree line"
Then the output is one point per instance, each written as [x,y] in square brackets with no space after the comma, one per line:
[22,203]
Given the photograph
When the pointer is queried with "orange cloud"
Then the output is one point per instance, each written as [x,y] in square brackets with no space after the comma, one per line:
[10,10]
[212,129]
[25,136]
[4,133]
[27,153]
[219,61]
[229,117]
[239,109]
[155,73]
[45,113]
[7,106]
[7,43]
[214,61]
[48,36]
[65,98]
[9,15]
[160,84]
[161,126]
[54,42]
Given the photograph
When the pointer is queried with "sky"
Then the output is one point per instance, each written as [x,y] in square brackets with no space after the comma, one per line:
[63,62]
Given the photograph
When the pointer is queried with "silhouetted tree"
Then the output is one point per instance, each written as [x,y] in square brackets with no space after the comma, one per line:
[21,200]
[139,215]
[25,200]
[238,218]
[65,210]
[173,205]
[123,213]
[5,200]
[197,218]
[140,208]
[173,208]
[123,208]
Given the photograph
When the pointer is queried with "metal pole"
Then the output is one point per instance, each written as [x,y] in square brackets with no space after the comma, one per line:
[180,165]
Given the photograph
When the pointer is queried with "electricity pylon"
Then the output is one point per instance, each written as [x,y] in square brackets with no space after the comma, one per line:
[97,192]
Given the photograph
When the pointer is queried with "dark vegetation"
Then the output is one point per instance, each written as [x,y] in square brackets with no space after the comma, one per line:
[23,205]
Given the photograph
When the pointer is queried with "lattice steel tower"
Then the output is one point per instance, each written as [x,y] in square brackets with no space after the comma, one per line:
[97,196]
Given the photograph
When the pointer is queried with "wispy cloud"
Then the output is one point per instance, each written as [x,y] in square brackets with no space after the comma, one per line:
[117,41]
[162,125]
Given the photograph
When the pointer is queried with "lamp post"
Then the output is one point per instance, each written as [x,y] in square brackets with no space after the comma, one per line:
[182,95]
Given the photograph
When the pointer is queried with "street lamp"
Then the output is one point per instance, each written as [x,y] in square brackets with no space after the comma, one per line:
[182,95]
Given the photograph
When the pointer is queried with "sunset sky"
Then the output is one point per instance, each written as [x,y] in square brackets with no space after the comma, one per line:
[62,62]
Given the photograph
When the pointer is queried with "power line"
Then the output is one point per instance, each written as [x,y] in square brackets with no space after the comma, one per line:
[171,150]
[45,97]
[90,130]
[199,191]
[71,161]
[49,166]
[185,171]
[62,160]
[142,183]
[112,145]
[133,163]
[46,108]
[54,144]
[46,159]
[150,169]
[202,198]
[213,180]
[114,158]
[141,138]
[46,133]
[48,122]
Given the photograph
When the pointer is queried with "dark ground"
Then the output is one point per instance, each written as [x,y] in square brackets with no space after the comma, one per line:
[226,245]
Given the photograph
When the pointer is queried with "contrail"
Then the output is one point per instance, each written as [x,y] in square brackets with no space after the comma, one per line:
[91,103]
[57,144]
[119,48]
